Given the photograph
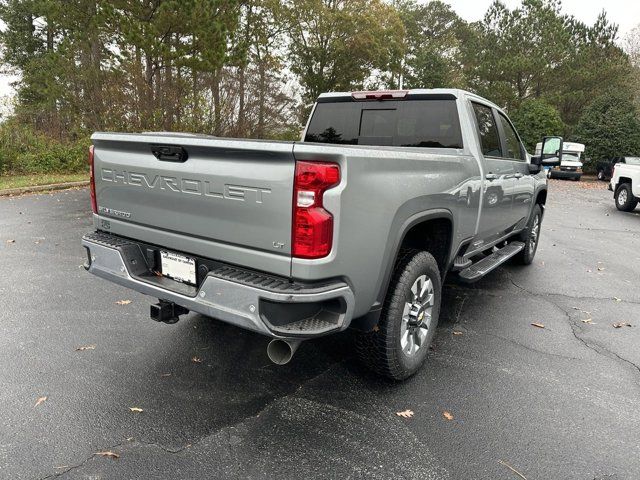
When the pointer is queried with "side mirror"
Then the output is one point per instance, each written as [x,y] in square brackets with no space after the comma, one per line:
[551,152]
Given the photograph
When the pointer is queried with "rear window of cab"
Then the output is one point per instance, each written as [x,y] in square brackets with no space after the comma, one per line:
[428,123]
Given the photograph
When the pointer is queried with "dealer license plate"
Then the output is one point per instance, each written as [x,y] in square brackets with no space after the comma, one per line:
[178,267]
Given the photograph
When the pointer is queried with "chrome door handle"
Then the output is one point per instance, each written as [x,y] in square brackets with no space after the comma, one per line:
[519,175]
[491,176]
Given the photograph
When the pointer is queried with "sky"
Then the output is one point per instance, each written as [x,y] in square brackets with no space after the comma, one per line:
[626,13]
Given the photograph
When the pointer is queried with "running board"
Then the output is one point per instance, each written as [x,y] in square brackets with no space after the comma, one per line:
[461,263]
[479,269]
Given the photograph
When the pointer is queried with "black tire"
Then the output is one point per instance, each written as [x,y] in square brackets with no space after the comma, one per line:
[601,176]
[531,235]
[381,350]
[625,201]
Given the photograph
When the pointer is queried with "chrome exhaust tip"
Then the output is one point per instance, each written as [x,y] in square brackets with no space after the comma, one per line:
[280,351]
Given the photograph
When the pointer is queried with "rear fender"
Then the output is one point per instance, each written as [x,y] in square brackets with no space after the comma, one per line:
[394,243]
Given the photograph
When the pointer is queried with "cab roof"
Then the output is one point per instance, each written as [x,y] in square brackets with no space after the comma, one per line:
[452,93]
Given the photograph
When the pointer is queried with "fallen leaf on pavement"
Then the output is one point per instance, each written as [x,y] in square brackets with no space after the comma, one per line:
[40,401]
[196,360]
[600,269]
[11,241]
[85,347]
[136,409]
[107,454]
[447,415]
[539,325]
[456,332]
[617,299]
[405,414]
[621,324]
[123,302]
[588,320]
[165,375]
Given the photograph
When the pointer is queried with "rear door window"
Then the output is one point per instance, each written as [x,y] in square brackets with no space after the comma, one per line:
[488,130]
[401,123]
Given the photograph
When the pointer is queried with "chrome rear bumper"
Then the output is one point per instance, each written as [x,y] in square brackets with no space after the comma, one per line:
[278,309]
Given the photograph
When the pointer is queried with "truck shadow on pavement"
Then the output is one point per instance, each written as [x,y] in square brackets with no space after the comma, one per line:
[208,374]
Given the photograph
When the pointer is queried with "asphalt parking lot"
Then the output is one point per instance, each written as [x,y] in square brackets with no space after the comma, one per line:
[559,402]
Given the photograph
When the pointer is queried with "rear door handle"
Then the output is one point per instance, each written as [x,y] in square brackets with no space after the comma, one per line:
[491,176]
[519,175]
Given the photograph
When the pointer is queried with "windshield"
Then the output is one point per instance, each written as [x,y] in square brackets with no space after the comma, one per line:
[403,123]
[632,160]
[572,157]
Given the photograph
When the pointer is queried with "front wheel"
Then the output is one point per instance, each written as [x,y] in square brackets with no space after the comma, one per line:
[398,345]
[601,176]
[625,201]
[531,238]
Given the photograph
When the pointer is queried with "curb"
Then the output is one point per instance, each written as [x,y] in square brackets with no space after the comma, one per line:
[42,188]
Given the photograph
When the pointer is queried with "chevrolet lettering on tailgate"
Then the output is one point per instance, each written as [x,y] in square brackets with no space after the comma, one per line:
[186,185]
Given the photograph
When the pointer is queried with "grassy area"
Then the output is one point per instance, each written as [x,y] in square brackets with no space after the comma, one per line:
[19,181]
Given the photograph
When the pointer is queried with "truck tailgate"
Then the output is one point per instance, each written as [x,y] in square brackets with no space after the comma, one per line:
[234,193]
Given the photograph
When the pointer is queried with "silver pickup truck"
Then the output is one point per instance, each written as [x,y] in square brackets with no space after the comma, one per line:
[354,227]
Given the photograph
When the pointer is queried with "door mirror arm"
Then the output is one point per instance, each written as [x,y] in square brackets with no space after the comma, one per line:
[534,166]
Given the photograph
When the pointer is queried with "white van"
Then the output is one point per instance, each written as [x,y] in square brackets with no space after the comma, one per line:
[571,161]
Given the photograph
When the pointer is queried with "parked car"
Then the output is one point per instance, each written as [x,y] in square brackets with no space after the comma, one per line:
[604,168]
[571,166]
[625,183]
[354,227]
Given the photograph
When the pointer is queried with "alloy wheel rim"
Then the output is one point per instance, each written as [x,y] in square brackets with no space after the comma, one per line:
[535,233]
[622,197]
[417,316]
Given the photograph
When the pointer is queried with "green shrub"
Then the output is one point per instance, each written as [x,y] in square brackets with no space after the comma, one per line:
[610,127]
[24,151]
[535,119]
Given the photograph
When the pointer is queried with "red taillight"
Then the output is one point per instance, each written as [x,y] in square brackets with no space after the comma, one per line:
[92,182]
[312,230]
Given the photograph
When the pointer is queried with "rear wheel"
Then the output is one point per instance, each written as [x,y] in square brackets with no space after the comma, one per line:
[625,201]
[531,238]
[398,345]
